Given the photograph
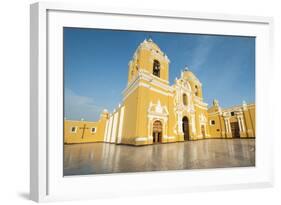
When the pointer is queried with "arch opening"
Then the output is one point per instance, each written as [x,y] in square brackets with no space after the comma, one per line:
[157,131]
[184,99]
[185,128]
[156,68]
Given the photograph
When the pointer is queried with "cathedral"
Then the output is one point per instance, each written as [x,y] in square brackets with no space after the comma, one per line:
[154,111]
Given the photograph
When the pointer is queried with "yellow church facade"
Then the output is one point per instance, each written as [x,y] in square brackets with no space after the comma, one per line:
[153,111]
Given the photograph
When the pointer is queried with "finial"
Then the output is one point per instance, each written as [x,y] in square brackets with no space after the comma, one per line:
[186,68]
[215,102]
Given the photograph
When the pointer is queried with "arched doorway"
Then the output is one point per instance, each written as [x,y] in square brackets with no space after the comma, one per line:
[235,129]
[157,131]
[203,131]
[185,128]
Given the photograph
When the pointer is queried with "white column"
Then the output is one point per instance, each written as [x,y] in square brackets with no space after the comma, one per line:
[193,127]
[114,127]
[242,123]
[165,127]
[148,127]
[239,123]
[106,130]
[109,129]
[229,128]
[180,122]
[120,129]
[226,125]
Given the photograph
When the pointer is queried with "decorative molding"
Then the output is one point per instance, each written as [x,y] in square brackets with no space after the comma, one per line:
[141,139]
[168,137]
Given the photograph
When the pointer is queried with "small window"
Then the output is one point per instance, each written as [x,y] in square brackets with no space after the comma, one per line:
[232,113]
[73,129]
[213,122]
[156,68]
[196,90]
[184,99]
[93,130]
[218,130]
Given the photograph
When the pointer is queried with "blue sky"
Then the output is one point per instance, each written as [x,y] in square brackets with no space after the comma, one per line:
[96,67]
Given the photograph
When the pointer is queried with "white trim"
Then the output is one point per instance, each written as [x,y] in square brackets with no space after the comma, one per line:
[149,78]
[81,121]
[143,84]
[141,139]
[160,92]
[168,137]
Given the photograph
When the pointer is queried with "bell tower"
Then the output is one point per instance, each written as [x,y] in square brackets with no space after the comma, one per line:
[149,58]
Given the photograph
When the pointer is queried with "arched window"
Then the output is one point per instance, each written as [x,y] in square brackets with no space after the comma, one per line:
[196,90]
[156,68]
[184,99]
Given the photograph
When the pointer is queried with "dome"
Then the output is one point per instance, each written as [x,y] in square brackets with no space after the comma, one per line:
[188,75]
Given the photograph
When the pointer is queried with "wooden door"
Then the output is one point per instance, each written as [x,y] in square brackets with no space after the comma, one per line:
[235,129]
[157,132]
[185,128]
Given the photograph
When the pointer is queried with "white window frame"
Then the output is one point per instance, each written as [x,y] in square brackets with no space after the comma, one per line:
[211,123]
[74,130]
[93,128]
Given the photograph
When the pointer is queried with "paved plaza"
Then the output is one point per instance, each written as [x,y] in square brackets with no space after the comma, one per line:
[104,158]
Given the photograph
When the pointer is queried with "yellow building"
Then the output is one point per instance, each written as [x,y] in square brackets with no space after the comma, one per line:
[153,111]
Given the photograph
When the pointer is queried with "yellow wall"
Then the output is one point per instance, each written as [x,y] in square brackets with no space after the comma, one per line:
[247,113]
[88,136]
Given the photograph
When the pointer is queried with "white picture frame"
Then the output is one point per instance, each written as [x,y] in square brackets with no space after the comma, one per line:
[46,177]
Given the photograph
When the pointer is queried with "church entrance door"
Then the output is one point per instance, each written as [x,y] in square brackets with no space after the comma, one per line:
[235,129]
[203,131]
[157,132]
[185,128]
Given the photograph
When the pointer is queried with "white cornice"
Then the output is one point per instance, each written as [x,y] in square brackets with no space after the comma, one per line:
[150,80]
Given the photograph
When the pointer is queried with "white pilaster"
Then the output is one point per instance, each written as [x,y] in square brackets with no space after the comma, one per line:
[242,123]
[106,130]
[120,129]
[229,128]
[193,127]
[109,130]
[114,128]
[180,122]
[239,123]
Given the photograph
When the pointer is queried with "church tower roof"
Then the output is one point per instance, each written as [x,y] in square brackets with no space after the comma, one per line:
[189,75]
